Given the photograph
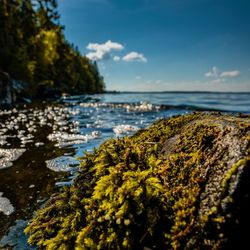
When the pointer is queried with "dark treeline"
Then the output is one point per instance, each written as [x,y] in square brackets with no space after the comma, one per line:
[33,50]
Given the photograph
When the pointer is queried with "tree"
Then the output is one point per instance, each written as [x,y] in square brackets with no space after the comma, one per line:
[33,49]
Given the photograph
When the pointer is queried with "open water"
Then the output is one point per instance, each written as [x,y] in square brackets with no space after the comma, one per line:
[40,143]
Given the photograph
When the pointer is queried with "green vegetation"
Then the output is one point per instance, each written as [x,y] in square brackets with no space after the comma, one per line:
[171,186]
[33,49]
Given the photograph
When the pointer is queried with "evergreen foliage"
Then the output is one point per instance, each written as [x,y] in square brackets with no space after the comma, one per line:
[33,49]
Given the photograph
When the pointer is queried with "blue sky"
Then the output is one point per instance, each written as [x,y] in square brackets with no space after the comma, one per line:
[164,45]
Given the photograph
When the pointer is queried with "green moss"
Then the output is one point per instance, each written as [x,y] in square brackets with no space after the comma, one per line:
[233,170]
[144,190]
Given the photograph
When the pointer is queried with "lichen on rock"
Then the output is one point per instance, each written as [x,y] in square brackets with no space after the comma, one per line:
[182,183]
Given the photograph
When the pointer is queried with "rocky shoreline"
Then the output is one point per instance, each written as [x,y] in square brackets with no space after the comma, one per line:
[183,183]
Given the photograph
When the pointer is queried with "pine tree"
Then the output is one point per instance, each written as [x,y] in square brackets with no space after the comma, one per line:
[33,49]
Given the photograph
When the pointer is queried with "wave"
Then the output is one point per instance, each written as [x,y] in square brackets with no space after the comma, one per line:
[150,107]
[156,101]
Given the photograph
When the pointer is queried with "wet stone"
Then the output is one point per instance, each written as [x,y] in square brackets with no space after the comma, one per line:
[15,238]
[5,205]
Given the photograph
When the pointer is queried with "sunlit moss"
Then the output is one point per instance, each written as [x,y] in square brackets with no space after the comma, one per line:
[155,188]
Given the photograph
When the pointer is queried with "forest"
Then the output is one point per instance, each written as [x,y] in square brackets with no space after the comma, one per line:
[34,51]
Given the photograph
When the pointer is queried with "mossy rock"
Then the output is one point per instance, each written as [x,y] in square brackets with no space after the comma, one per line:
[183,183]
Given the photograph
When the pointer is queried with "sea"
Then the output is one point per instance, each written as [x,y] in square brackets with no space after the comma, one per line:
[41,143]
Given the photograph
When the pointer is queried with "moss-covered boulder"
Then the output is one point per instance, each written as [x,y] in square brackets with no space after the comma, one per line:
[183,183]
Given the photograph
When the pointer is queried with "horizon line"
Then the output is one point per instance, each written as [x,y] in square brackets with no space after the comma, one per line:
[179,91]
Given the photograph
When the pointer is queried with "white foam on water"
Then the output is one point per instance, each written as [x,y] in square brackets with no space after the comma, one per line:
[129,107]
[62,164]
[69,143]
[63,136]
[7,156]
[142,107]
[3,140]
[64,139]
[5,205]
[125,129]
[38,144]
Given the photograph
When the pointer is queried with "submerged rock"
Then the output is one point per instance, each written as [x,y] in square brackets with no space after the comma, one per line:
[183,183]
[15,239]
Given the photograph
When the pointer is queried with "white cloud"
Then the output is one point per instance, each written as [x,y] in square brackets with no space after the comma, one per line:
[116,58]
[138,78]
[108,46]
[134,57]
[215,72]
[233,73]
[102,51]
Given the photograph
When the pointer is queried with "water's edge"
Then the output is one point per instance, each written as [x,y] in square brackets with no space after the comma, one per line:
[40,143]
